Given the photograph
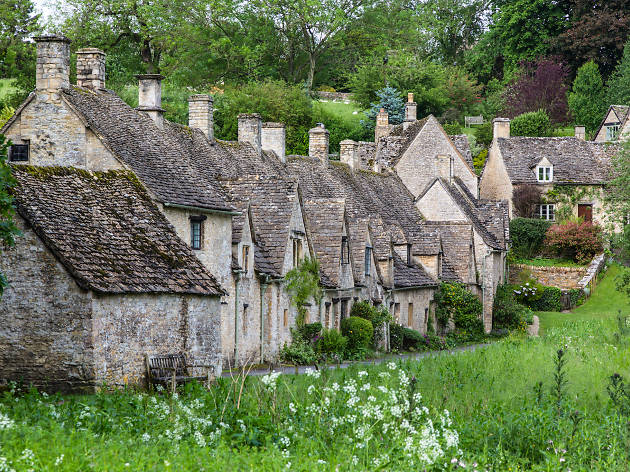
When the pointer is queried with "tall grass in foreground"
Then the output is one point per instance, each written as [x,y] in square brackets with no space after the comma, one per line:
[549,403]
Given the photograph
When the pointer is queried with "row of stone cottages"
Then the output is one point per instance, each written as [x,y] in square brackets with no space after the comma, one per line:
[142,236]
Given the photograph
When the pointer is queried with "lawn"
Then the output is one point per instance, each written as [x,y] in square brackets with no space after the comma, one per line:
[6,88]
[517,404]
[349,112]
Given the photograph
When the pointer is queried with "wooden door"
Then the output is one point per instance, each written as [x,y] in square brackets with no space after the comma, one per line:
[585,211]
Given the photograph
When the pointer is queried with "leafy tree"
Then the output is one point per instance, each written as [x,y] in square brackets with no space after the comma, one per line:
[541,85]
[303,285]
[533,123]
[8,230]
[618,86]
[617,194]
[525,198]
[586,100]
[392,102]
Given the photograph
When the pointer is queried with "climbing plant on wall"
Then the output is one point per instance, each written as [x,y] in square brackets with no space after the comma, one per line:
[8,230]
[303,285]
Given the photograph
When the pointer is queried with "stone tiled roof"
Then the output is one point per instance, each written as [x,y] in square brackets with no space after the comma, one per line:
[271,201]
[325,219]
[106,231]
[410,275]
[456,240]
[463,146]
[391,148]
[574,160]
[161,158]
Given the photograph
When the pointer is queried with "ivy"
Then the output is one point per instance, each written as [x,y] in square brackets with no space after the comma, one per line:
[8,230]
[455,303]
[303,285]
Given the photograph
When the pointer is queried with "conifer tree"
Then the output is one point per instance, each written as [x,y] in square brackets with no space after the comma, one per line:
[390,100]
[619,82]
[587,100]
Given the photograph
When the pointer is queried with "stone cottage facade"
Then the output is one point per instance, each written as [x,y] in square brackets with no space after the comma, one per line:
[249,213]
[570,172]
[98,279]
[614,125]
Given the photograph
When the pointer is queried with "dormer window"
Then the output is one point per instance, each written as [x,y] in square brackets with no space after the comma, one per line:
[18,153]
[544,173]
[368,260]
[297,252]
[196,231]
[345,250]
[611,132]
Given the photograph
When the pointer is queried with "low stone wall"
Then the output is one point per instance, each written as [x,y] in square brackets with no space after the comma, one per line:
[594,268]
[564,278]
[335,96]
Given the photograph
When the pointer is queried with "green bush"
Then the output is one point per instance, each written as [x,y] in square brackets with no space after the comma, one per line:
[396,335]
[378,316]
[532,123]
[452,128]
[412,339]
[483,133]
[549,300]
[454,302]
[332,343]
[308,332]
[576,297]
[358,331]
[507,312]
[298,352]
[528,235]
[363,309]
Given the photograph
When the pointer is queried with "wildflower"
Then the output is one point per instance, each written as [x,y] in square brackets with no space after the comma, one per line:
[59,460]
[313,373]
[321,461]
[5,465]
[127,464]
[362,373]
[146,437]
[562,459]
[6,422]
[292,408]
[270,380]
[167,463]
[391,366]
[355,460]
[311,389]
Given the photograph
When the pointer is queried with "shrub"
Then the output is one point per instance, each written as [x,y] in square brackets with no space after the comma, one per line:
[507,312]
[332,343]
[358,331]
[549,300]
[533,123]
[483,133]
[378,316]
[528,235]
[411,339]
[452,128]
[309,332]
[454,302]
[525,199]
[396,334]
[577,241]
[480,161]
[299,352]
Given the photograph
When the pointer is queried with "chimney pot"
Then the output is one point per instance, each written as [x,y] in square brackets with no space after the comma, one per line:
[53,65]
[200,114]
[250,129]
[91,68]
[410,97]
[580,132]
[274,139]
[501,128]
[150,96]
[318,142]
[348,153]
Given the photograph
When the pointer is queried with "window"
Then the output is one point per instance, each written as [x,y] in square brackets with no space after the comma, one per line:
[611,132]
[297,252]
[397,312]
[368,260]
[426,316]
[410,316]
[546,212]
[344,309]
[345,250]
[195,234]
[18,153]
[408,254]
[545,173]
[245,258]
[327,315]
[285,319]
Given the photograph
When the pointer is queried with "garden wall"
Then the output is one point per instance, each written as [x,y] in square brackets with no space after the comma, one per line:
[564,278]
[335,96]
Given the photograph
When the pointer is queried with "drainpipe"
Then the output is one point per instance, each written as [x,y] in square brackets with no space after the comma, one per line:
[263,287]
[237,279]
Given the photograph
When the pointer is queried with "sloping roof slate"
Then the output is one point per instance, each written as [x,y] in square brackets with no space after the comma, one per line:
[408,276]
[463,146]
[104,228]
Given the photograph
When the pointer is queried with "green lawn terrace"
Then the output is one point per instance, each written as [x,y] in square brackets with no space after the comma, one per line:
[511,406]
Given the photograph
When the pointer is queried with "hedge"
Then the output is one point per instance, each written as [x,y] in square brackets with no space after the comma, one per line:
[528,235]
[550,300]
[358,331]
[396,334]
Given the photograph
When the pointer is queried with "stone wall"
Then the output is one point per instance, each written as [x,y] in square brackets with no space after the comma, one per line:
[421,299]
[561,277]
[335,96]
[45,320]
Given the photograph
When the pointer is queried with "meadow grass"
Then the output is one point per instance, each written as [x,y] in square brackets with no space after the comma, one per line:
[6,88]
[514,405]
[345,111]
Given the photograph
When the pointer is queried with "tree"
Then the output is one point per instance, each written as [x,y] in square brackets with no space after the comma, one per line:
[541,85]
[587,100]
[525,199]
[532,123]
[617,195]
[391,101]
[618,86]
[8,230]
[303,285]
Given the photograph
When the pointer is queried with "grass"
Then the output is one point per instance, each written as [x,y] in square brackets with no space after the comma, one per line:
[508,402]
[549,262]
[349,112]
[6,88]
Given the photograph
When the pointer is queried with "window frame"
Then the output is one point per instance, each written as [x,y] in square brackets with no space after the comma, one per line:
[368,260]
[194,221]
[612,132]
[547,174]
[546,215]
[345,250]
[25,145]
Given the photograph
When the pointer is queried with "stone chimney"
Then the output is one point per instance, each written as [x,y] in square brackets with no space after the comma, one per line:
[444,166]
[200,114]
[411,109]
[150,97]
[91,68]
[53,66]
[348,153]
[318,142]
[274,138]
[501,128]
[580,132]
[250,129]
[382,125]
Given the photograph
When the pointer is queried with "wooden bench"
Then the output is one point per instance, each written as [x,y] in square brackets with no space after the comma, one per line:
[172,369]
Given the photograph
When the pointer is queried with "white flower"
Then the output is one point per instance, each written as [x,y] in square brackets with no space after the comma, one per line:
[167,463]
[321,461]
[286,442]
[311,389]
[59,460]
[5,465]
[355,460]
[391,366]
[199,439]
[6,422]
[292,408]
[270,380]
[312,373]
[362,373]
[146,437]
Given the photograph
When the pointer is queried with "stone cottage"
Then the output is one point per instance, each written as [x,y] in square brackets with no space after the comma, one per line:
[98,279]
[614,125]
[570,173]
